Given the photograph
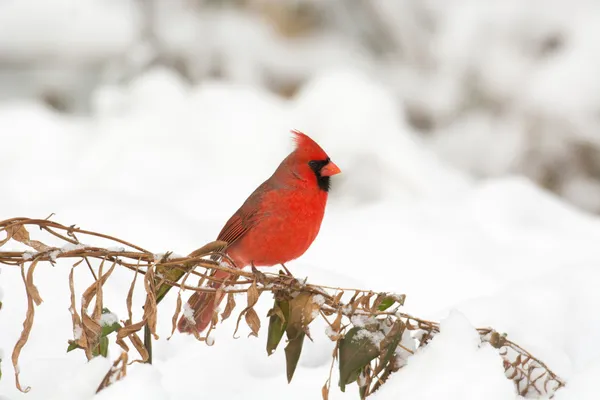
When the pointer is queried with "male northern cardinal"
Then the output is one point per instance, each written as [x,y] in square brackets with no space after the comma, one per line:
[276,224]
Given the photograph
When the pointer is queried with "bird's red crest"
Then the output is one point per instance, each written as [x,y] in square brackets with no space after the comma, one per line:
[308,147]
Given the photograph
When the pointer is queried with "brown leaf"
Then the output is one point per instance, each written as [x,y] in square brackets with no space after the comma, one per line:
[176,314]
[37,245]
[325,391]
[252,294]
[99,292]
[115,373]
[92,331]
[336,327]
[150,311]
[27,324]
[302,312]
[228,307]
[139,346]
[130,295]
[81,341]
[253,321]
[90,292]
[130,330]
[378,301]
[31,288]
[338,297]
[19,233]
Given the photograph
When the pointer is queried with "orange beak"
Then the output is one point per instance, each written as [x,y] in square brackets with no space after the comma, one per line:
[330,169]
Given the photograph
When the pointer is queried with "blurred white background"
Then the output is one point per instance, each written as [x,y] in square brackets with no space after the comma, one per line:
[491,87]
[468,133]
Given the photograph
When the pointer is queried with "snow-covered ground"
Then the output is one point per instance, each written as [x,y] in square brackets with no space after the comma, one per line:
[164,164]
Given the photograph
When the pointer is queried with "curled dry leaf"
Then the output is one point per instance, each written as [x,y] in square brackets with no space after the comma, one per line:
[78,334]
[303,310]
[20,234]
[175,315]
[228,307]
[91,291]
[252,294]
[150,311]
[27,324]
[31,288]
[335,328]
[117,372]
[92,331]
[253,322]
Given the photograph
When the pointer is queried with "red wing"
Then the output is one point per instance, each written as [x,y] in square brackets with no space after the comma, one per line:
[234,229]
[246,217]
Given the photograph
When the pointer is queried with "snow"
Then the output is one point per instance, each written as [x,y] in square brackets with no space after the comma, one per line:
[163,163]
[108,318]
[453,366]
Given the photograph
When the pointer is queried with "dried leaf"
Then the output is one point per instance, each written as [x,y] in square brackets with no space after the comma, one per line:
[336,327]
[130,296]
[27,324]
[253,321]
[19,233]
[278,317]
[150,311]
[338,297]
[355,352]
[115,373]
[229,306]
[175,314]
[252,294]
[31,288]
[76,319]
[325,391]
[302,312]
[139,346]
[93,332]
[90,292]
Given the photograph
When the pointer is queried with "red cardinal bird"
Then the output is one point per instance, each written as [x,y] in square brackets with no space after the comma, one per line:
[276,224]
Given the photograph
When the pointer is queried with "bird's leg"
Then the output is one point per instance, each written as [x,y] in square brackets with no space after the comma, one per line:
[286,270]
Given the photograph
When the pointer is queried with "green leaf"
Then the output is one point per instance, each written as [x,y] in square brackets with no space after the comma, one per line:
[103,346]
[356,350]
[292,353]
[72,346]
[278,320]
[108,329]
[386,303]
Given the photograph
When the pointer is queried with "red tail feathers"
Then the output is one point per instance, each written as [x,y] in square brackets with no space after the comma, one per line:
[200,308]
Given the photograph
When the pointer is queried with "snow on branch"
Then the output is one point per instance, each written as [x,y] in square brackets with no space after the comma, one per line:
[373,338]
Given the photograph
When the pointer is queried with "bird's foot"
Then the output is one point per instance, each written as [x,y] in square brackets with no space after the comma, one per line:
[286,270]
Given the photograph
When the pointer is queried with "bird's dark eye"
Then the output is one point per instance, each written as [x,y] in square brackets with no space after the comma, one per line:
[317,165]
